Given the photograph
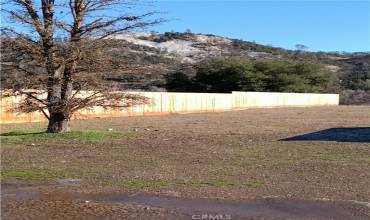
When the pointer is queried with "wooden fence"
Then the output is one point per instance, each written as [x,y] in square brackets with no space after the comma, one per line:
[169,102]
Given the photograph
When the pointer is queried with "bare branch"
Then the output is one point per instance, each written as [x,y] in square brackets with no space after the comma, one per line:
[29,6]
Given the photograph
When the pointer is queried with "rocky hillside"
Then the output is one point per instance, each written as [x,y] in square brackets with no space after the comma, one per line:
[155,55]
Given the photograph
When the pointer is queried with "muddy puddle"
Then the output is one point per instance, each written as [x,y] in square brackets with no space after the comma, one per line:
[10,190]
[196,208]
[269,209]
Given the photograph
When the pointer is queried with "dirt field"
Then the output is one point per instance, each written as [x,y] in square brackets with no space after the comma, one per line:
[296,163]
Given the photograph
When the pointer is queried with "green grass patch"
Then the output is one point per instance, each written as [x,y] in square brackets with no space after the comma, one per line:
[262,157]
[253,184]
[237,184]
[337,157]
[220,183]
[155,184]
[141,184]
[41,137]
[257,157]
[40,175]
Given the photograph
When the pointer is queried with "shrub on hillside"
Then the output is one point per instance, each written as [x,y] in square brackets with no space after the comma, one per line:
[226,75]
[358,78]
[355,97]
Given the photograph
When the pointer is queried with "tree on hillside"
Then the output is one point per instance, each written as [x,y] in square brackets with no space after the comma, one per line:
[64,41]
[300,50]
[301,47]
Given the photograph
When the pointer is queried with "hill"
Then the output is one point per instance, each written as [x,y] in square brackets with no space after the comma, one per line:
[146,58]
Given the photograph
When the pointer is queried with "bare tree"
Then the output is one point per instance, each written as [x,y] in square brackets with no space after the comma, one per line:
[64,41]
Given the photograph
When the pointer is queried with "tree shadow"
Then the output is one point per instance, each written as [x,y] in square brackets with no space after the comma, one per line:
[20,133]
[355,134]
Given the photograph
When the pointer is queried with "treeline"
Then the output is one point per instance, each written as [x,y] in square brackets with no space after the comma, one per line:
[233,74]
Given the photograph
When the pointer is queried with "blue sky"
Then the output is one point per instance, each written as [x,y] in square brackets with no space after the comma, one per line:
[321,25]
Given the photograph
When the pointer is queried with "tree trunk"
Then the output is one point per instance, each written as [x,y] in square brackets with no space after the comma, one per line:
[58,123]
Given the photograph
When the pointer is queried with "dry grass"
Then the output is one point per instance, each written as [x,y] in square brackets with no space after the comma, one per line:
[230,155]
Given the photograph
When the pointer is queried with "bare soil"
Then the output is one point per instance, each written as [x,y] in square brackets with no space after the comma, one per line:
[302,160]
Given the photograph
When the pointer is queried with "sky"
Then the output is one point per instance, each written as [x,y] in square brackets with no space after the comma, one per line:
[332,25]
